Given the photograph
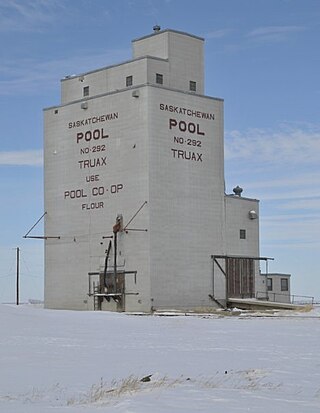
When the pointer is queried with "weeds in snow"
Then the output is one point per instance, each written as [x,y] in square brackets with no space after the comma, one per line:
[103,392]
[54,393]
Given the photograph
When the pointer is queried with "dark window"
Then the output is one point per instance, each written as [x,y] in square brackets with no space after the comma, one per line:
[86,91]
[284,284]
[193,86]
[242,234]
[129,81]
[159,78]
[269,284]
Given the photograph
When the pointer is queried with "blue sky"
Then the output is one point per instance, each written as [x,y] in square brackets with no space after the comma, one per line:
[262,58]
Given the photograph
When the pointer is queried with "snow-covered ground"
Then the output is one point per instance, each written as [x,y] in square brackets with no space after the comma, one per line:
[65,361]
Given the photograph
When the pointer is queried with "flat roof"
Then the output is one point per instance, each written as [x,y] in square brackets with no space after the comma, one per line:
[101,69]
[168,30]
[233,196]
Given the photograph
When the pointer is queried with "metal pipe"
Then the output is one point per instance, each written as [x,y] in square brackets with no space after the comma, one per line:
[106,265]
[213,278]
[125,227]
[115,261]
[26,236]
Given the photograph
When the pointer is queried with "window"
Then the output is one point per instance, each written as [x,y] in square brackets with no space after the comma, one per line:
[129,81]
[159,78]
[284,284]
[269,284]
[86,91]
[193,86]
[243,234]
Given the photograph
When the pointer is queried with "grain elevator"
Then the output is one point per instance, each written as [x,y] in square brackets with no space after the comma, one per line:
[137,218]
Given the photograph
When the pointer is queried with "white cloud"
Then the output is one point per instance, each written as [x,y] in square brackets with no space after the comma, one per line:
[291,231]
[303,204]
[274,33]
[279,217]
[27,15]
[298,246]
[217,34]
[304,179]
[25,76]
[304,195]
[290,143]
[22,158]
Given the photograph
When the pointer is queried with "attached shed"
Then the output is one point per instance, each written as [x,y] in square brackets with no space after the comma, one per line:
[277,288]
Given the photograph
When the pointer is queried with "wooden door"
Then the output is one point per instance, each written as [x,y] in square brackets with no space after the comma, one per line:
[240,277]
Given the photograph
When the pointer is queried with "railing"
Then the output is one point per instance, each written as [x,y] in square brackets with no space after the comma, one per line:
[302,299]
[284,298]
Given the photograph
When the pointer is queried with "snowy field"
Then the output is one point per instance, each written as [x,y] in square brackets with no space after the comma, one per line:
[66,362]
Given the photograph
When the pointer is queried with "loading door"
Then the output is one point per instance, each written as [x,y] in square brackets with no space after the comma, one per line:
[240,277]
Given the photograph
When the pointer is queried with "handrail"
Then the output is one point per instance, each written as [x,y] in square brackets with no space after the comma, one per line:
[292,298]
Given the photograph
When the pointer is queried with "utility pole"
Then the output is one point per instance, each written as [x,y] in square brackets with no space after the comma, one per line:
[18,270]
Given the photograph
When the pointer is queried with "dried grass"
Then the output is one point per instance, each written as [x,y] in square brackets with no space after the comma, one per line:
[103,392]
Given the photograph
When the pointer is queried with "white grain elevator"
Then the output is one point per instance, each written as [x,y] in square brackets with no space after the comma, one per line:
[136,211]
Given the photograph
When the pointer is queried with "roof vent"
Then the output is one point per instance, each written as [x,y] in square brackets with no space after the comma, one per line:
[237,190]
[156,28]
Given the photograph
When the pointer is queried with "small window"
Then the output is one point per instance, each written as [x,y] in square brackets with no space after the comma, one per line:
[159,78]
[269,284]
[86,91]
[284,284]
[129,81]
[193,86]
[243,234]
